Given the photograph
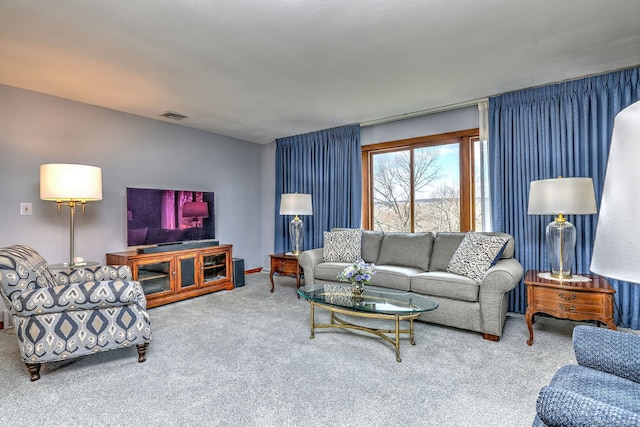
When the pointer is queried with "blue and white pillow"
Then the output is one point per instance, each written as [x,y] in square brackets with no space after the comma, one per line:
[476,254]
[342,246]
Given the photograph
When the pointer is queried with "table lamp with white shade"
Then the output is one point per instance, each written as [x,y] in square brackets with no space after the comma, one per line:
[296,204]
[561,196]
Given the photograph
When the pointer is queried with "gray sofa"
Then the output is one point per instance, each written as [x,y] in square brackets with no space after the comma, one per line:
[418,262]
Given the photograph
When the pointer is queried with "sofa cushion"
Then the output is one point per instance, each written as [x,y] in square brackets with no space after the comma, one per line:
[476,254]
[371,243]
[444,246]
[447,285]
[406,249]
[394,277]
[342,246]
[329,270]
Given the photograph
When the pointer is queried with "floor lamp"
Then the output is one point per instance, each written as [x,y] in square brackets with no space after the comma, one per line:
[70,185]
[616,252]
[296,204]
[561,196]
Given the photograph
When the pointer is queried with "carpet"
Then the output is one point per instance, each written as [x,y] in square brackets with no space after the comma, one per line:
[244,358]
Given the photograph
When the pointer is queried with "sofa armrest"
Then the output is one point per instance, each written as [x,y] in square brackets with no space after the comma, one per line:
[496,283]
[503,276]
[614,352]
[78,296]
[93,274]
[560,407]
[308,261]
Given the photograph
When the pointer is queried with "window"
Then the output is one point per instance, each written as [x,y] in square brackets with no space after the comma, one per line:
[433,183]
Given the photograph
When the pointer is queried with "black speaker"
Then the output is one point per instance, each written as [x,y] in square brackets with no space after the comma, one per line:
[238,272]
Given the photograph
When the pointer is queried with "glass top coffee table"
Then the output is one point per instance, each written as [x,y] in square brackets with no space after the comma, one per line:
[377,303]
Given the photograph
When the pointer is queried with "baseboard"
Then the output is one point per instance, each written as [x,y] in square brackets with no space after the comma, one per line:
[253,270]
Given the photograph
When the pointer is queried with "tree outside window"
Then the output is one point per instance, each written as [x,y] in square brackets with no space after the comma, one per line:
[424,184]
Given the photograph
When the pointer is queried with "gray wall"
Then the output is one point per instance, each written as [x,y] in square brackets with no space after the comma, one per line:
[132,151]
[432,124]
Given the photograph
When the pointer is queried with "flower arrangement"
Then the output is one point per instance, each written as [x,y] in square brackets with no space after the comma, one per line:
[358,274]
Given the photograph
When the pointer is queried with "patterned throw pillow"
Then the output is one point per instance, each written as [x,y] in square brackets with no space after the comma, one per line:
[342,246]
[476,254]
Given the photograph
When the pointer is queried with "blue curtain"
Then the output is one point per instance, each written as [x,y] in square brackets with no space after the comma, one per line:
[557,130]
[327,165]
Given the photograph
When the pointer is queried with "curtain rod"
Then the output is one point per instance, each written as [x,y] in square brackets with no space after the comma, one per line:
[422,112]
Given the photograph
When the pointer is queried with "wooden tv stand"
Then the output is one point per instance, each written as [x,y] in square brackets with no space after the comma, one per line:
[178,274]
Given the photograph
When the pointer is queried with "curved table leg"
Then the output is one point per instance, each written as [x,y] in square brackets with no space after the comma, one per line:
[610,325]
[271,278]
[529,317]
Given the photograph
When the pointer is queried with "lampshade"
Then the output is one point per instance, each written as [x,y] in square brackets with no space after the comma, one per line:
[568,196]
[296,204]
[66,182]
[616,252]
[195,210]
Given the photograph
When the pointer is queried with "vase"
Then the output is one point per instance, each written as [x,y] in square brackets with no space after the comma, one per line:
[357,288]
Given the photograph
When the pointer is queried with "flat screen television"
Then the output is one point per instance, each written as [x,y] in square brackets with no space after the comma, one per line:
[156,217]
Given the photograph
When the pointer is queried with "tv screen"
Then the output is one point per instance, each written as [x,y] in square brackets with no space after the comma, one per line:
[169,216]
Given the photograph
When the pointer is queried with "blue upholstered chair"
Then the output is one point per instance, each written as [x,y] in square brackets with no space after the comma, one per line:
[602,390]
[68,314]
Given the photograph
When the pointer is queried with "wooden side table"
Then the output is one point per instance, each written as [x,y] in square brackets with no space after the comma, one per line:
[564,299]
[286,265]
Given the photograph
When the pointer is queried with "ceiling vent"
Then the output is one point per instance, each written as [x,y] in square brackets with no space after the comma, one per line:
[173,115]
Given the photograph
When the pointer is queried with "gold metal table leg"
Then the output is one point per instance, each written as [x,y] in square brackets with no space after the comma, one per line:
[313,325]
[398,339]
[411,335]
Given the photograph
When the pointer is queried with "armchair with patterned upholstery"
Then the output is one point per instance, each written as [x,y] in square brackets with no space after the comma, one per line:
[71,313]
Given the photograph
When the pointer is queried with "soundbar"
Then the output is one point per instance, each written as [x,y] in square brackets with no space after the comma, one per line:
[167,247]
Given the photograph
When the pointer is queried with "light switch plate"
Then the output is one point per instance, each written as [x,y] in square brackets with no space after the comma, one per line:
[25,208]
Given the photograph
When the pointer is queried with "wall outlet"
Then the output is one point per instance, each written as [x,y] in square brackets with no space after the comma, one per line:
[25,208]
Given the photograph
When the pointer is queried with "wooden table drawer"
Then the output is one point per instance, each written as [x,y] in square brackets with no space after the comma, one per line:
[568,307]
[540,295]
[284,267]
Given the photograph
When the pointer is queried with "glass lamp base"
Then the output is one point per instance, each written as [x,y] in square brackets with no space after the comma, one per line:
[561,248]
[296,236]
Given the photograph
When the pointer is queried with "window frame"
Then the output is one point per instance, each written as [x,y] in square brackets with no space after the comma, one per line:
[465,139]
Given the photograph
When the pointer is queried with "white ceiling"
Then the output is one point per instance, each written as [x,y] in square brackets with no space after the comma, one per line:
[263,69]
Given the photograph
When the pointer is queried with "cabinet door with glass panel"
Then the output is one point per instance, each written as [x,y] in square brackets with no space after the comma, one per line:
[155,275]
[215,265]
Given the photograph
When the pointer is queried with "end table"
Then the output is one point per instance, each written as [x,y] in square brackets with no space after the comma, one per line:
[286,265]
[566,299]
